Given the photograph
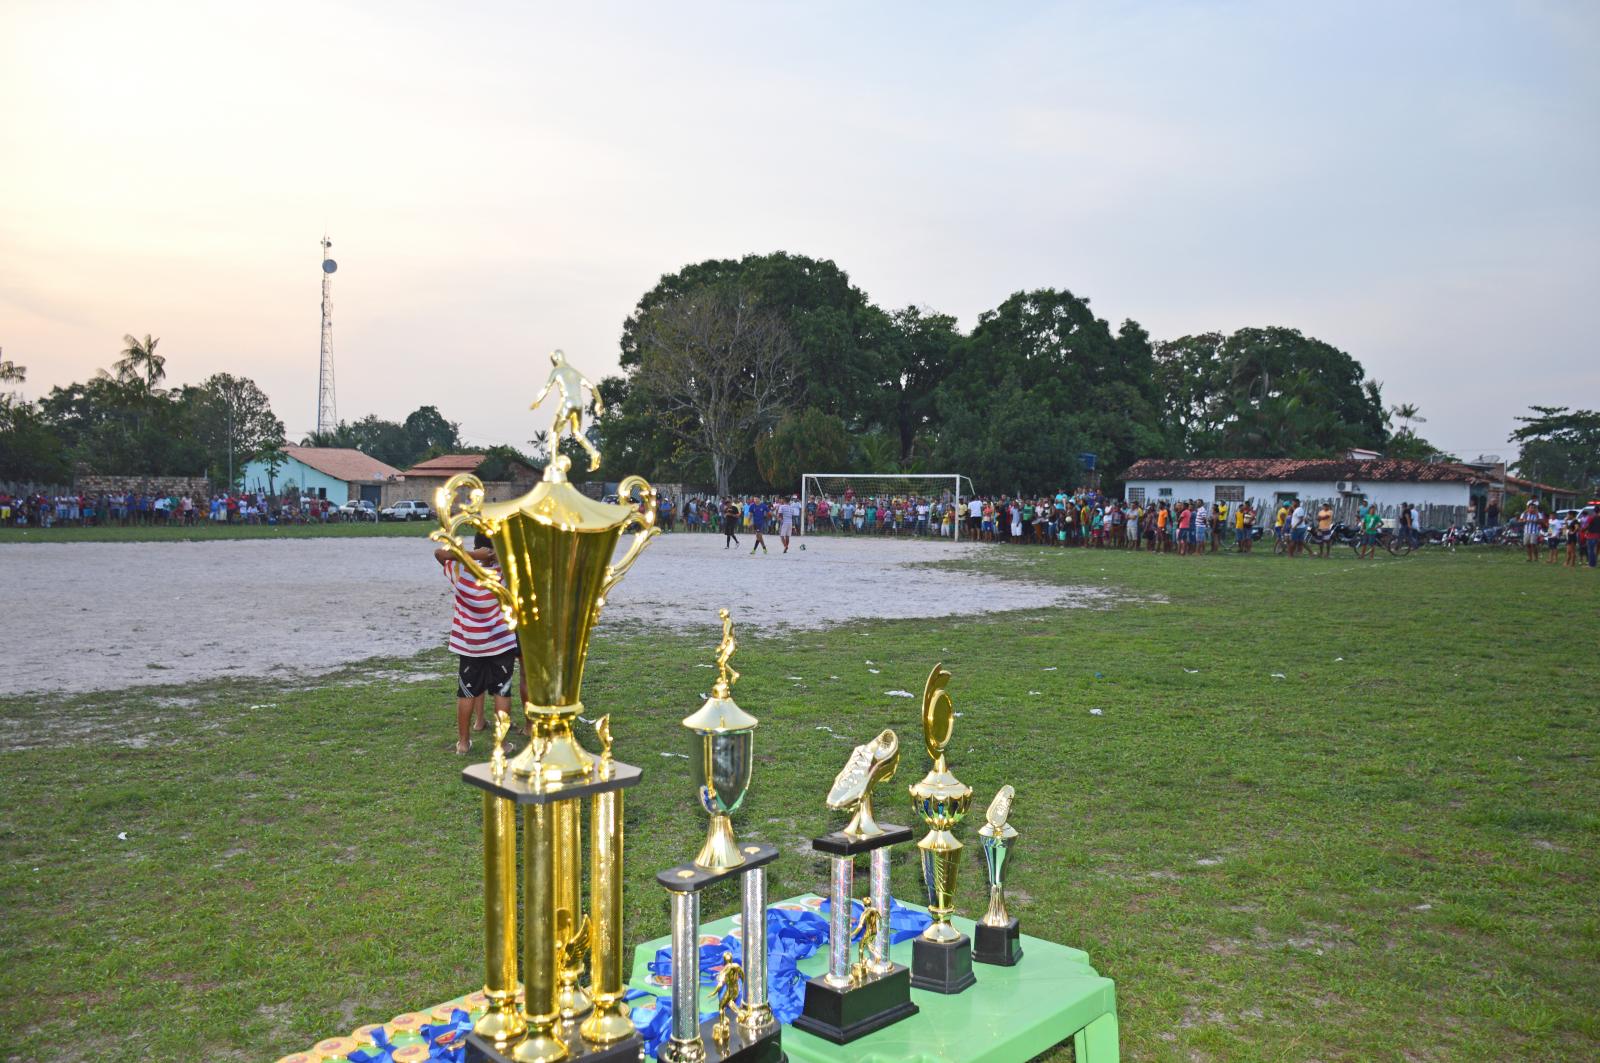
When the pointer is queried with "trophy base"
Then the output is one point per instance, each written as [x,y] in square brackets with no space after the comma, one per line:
[842,1015]
[999,945]
[628,1050]
[765,1047]
[942,967]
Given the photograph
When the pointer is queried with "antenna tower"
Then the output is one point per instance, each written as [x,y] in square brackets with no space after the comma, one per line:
[327,409]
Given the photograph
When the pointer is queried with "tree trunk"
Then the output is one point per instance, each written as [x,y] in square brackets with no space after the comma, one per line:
[721,470]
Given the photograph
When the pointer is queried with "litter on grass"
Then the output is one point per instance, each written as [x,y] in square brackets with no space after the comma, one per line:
[1279,675]
[899,693]
[1097,712]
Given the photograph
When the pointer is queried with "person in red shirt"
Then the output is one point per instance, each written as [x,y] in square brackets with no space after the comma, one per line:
[1185,521]
[481,639]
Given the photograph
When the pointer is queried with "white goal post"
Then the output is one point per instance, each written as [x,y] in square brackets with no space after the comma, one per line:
[938,487]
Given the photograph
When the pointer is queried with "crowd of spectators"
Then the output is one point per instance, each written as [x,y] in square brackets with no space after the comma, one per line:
[136,509]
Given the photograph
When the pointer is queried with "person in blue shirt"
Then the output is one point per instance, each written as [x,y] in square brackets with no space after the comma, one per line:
[758,521]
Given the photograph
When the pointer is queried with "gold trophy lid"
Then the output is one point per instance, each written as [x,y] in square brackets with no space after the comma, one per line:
[938,726]
[721,714]
[554,501]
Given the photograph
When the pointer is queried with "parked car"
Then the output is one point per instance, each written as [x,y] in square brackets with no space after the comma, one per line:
[407,509]
[358,509]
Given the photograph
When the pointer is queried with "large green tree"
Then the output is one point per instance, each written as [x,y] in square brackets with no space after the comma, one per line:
[1041,380]
[807,441]
[232,420]
[719,370]
[1560,446]
[837,335]
[1266,392]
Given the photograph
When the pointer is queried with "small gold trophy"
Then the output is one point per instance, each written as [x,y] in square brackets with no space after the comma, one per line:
[852,1000]
[941,957]
[997,939]
[555,549]
[723,757]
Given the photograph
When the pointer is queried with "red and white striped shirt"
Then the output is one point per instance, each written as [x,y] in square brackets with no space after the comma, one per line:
[478,628]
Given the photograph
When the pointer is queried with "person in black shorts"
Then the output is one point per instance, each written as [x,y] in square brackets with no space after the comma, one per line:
[481,639]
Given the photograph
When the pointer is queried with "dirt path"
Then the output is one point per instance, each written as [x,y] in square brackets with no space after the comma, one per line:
[113,615]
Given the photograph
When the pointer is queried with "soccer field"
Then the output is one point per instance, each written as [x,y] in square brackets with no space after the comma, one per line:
[1327,810]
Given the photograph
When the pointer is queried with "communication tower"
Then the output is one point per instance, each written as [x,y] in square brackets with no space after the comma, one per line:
[327,409]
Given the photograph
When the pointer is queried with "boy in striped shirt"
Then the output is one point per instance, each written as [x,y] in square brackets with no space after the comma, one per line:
[479,636]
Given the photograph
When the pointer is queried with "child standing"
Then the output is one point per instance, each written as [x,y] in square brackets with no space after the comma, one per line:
[480,637]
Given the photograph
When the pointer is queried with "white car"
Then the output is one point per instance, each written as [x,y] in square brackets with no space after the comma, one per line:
[407,509]
[358,509]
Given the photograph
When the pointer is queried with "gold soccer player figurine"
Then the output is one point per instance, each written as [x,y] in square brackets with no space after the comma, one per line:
[730,981]
[569,414]
[867,928]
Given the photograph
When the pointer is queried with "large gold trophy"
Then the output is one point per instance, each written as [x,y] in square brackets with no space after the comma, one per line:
[555,549]
[941,956]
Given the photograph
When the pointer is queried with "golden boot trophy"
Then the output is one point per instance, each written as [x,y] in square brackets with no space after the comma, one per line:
[941,957]
[852,1000]
[723,754]
[555,550]
[997,939]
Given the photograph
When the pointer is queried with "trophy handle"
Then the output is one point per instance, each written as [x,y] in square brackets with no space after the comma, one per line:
[646,519]
[470,514]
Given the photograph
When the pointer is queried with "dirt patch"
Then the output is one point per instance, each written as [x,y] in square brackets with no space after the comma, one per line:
[144,614]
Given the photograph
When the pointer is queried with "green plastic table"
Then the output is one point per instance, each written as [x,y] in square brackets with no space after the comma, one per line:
[1011,1015]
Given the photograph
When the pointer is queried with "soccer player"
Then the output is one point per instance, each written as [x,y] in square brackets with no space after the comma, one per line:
[758,523]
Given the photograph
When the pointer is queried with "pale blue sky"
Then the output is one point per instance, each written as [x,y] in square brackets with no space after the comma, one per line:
[1415,183]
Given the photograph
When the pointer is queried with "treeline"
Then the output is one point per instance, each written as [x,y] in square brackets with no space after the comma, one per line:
[748,373]
[126,421]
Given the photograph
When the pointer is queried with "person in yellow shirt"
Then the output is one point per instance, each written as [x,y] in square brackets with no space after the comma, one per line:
[1325,528]
[1278,521]
[1218,524]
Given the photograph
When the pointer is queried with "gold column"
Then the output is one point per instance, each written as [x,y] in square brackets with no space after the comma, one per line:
[609,1022]
[501,1022]
[539,937]
[571,1000]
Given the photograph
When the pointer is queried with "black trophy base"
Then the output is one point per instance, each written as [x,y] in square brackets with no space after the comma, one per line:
[999,945]
[942,967]
[842,1015]
[627,1050]
[766,1047]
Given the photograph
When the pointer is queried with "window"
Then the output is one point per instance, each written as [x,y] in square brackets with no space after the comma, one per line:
[1136,494]
[1164,492]
[1230,493]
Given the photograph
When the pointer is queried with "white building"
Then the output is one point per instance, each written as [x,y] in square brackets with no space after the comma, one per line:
[1442,491]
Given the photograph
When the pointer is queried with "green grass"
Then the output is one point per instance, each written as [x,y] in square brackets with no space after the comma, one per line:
[159,533]
[1388,853]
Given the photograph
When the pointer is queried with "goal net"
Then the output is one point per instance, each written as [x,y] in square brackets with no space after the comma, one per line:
[927,505]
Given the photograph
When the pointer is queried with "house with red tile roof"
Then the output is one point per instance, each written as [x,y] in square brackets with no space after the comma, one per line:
[1386,482]
[338,474]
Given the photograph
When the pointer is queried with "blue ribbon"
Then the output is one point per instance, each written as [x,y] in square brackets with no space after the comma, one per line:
[382,1053]
[655,1023]
[904,923]
[447,1041]
[792,936]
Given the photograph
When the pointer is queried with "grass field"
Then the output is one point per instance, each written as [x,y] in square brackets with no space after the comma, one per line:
[205,532]
[1329,810]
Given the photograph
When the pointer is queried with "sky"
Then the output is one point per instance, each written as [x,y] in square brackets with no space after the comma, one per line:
[1418,183]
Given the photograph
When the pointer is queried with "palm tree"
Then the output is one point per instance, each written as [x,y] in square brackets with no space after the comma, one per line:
[140,361]
[1407,412]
